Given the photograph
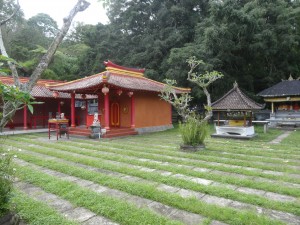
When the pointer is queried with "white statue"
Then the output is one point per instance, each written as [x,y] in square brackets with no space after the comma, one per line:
[62,116]
[96,122]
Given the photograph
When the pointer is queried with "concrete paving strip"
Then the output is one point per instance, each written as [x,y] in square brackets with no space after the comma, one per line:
[275,173]
[164,210]
[78,214]
[281,137]
[167,210]
[275,196]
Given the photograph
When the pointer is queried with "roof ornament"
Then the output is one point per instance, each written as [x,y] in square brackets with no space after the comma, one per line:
[235,84]
[291,78]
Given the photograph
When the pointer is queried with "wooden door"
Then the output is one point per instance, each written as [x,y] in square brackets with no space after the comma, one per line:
[115,114]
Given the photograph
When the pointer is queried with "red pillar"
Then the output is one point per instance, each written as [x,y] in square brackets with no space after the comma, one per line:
[99,108]
[72,109]
[25,117]
[132,116]
[86,112]
[58,107]
[106,106]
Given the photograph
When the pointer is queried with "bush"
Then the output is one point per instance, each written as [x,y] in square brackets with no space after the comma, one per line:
[193,131]
[6,172]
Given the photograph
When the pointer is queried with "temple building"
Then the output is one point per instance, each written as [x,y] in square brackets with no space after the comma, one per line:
[236,110]
[125,101]
[284,101]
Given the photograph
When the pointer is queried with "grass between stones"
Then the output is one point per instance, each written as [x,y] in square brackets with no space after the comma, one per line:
[36,212]
[152,176]
[94,202]
[159,151]
[117,210]
[88,150]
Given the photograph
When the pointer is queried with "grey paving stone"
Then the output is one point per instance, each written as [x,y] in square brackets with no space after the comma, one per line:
[188,193]
[276,173]
[161,208]
[203,170]
[98,188]
[187,217]
[283,216]
[250,191]
[242,206]
[83,183]
[167,188]
[79,214]
[279,197]
[115,193]
[138,201]
[61,205]
[144,169]
[216,200]
[229,186]
[131,178]
[164,173]
[181,176]
[214,222]
[97,220]
[202,181]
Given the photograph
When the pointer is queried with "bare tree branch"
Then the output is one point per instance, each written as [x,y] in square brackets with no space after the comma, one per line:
[46,59]
[11,65]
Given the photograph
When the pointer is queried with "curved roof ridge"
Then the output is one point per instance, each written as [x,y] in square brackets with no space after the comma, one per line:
[235,99]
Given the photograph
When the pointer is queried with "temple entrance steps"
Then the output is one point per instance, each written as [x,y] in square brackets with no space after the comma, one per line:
[113,132]
[119,132]
[80,131]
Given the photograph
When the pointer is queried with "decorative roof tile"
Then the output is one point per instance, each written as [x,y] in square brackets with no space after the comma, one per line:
[115,76]
[235,99]
[284,88]
[39,90]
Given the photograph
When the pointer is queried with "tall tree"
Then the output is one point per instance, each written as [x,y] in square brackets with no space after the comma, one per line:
[81,5]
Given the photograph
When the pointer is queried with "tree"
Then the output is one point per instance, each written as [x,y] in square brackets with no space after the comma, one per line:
[81,5]
[193,130]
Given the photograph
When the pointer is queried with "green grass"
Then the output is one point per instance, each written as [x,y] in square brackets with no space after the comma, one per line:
[249,158]
[35,212]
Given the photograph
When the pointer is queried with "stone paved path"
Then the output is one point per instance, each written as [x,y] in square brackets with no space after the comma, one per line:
[281,137]
[87,217]
[267,194]
[78,214]
[169,211]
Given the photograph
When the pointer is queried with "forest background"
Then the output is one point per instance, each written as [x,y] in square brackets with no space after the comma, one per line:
[255,43]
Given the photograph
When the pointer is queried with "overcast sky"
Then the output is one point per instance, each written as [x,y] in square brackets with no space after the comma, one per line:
[58,9]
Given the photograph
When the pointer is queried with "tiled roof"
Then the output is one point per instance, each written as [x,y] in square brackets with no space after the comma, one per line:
[284,88]
[39,90]
[117,77]
[235,99]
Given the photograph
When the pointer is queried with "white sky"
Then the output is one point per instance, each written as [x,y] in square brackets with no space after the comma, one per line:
[58,9]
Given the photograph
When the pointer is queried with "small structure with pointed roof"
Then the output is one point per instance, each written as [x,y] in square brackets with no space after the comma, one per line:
[284,100]
[237,107]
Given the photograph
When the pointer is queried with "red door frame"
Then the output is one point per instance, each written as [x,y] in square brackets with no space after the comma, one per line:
[115,114]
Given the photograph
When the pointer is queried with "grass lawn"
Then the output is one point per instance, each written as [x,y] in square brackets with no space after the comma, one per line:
[231,181]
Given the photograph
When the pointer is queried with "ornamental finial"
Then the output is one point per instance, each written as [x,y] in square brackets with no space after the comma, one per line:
[235,84]
[291,78]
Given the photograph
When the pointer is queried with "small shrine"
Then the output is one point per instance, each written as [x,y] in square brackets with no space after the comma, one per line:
[236,110]
[284,101]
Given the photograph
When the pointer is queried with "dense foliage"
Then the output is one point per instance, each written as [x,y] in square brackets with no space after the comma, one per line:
[253,42]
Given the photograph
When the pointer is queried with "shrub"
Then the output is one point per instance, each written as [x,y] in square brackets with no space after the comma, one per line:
[6,172]
[193,131]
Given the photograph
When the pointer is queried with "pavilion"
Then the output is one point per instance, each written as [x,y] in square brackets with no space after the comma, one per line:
[284,101]
[238,109]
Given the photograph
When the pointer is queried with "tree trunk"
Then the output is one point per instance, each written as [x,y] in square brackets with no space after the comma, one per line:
[9,110]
